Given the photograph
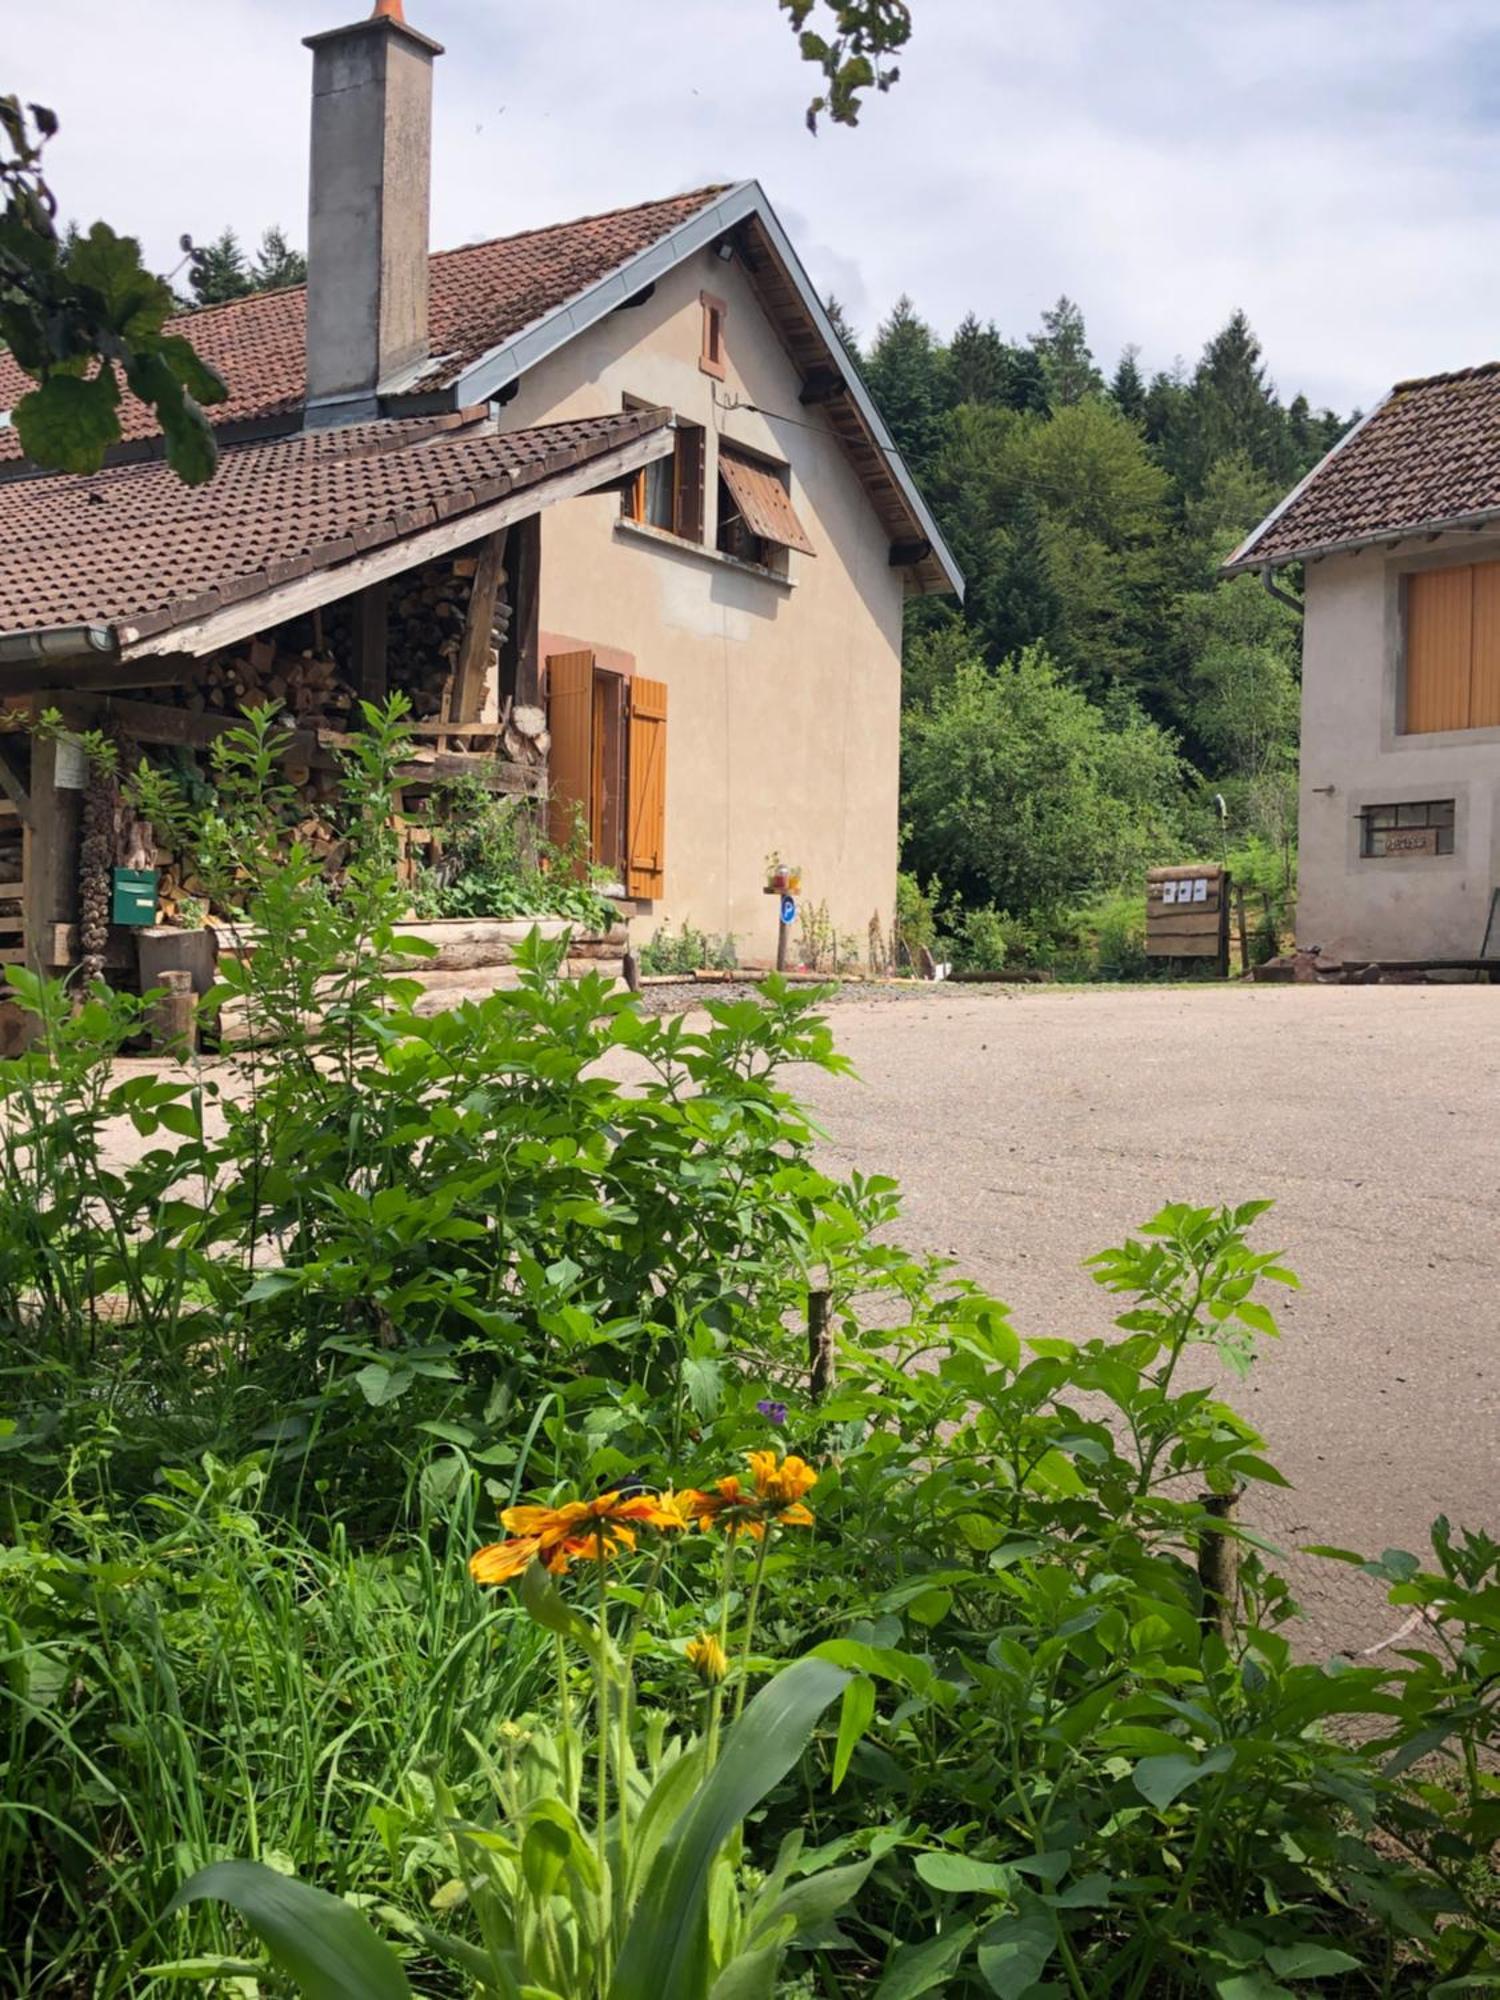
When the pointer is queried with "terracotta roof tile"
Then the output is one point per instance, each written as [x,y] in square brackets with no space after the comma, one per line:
[480,296]
[132,545]
[1427,455]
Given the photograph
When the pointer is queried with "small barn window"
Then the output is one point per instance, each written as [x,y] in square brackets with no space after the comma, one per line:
[668,493]
[711,358]
[1425,827]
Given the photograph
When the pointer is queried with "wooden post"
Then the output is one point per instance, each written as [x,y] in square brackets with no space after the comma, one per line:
[820,1362]
[370,642]
[1239,913]
[520,659]
[474,647]
[1219,1566]
[174,1015]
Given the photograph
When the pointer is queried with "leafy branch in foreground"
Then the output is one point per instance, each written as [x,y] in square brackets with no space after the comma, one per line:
[70,301]
[852,57]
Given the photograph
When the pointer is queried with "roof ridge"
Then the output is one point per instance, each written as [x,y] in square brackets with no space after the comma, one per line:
[701,195]
[1451,375]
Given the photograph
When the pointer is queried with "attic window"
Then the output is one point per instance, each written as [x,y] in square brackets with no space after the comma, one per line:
[715,312]
[757,521]
[668,493]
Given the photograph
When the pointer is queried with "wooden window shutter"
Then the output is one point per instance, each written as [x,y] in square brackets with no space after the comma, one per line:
[570,719]
[645,855]
[688,482]
[1439,648]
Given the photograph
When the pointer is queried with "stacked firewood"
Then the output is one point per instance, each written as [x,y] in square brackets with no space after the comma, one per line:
[306,686]
[426,631]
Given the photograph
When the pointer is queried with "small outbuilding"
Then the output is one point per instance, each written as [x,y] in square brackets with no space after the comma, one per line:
[1396,535]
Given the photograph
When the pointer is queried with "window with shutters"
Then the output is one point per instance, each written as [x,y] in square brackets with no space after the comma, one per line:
[668,493]
[607,768]
[711,355]
[757,521]
[1452,648]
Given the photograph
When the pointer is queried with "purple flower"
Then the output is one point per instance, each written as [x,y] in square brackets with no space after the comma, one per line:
[771,1410]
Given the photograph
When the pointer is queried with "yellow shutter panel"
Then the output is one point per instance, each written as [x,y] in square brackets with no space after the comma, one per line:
[1439,648]
[570,718]
[1484,685]
[645,855]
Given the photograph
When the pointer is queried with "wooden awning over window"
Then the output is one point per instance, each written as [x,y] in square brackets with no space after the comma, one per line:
[764,504]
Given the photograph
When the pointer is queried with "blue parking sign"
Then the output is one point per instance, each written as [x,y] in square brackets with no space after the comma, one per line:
[788,909]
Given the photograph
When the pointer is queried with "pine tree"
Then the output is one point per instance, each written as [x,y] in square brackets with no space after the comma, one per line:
[978,363]
[1026,382]
[218,271]
[1064,350]
[905,377]
[277,264]
[842,328]
[1128,389]
[1232,407]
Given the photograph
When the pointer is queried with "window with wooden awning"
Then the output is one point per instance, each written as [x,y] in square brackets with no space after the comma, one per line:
[607,769]
[1452,653]
[756,517]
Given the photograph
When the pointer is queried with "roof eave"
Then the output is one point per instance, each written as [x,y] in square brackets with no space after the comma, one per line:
[507,362]
[1405,531]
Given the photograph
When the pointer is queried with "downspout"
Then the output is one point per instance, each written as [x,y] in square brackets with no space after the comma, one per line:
[1273,589]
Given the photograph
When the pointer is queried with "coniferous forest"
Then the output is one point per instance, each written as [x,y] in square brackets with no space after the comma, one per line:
[1099,691]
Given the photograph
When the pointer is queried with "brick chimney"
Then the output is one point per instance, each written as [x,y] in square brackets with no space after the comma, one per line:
[368,205]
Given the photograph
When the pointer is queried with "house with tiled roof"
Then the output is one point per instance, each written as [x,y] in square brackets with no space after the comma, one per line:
[607,500]
[1395,537]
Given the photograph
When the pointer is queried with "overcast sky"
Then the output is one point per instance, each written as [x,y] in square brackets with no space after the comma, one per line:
[1333,166]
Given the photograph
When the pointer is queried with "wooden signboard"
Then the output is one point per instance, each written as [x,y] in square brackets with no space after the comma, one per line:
[1187,913]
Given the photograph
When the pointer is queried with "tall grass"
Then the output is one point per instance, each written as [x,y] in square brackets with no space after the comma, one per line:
[228,1685]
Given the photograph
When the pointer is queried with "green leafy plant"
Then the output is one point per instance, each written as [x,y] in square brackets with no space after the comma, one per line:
[80,312]
[686,951]
[498,863]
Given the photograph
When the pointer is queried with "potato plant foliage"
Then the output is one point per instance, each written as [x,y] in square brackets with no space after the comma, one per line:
[270,1371]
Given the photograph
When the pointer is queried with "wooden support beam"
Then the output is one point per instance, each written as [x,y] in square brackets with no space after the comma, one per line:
[474,647]
[13,785]
[157,722]
[520,661]
[370,629]
[49,855]
[90,676]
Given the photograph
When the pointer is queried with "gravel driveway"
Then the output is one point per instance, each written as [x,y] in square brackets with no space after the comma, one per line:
[1032,1127]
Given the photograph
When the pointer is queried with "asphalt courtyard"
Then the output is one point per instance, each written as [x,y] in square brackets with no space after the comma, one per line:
[1030,1128]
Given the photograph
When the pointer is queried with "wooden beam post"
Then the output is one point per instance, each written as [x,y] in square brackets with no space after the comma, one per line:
[370,642]
[520,663]
[474,647]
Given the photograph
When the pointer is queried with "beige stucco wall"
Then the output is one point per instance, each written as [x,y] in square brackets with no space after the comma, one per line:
[784,698]
[1354,755]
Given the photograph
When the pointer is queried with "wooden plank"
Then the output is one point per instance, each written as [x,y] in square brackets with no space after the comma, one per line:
[49,851]
[90,676]
[1484,672]
[371,633]
[158,722]
[474,647]
[520,659]
[1184,923]
[290,600]
[1439,648]
[1182,947]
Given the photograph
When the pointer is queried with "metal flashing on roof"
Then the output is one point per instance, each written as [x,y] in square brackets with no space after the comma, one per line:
[512,358]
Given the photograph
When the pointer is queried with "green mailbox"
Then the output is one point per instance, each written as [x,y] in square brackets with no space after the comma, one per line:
[134,900]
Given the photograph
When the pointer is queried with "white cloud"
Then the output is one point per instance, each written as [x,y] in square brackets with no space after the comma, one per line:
[1330,165]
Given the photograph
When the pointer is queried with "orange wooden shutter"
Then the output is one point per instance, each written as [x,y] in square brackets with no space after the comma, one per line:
[645,856]
[570,719]
[1439,648]
[1484,682]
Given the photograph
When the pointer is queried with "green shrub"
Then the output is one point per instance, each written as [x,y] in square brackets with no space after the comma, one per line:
[686,952]
[416,1266]
[498,863]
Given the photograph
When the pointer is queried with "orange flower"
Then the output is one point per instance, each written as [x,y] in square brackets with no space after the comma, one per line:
[776,1496]
[558,1536]
[707,1659]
